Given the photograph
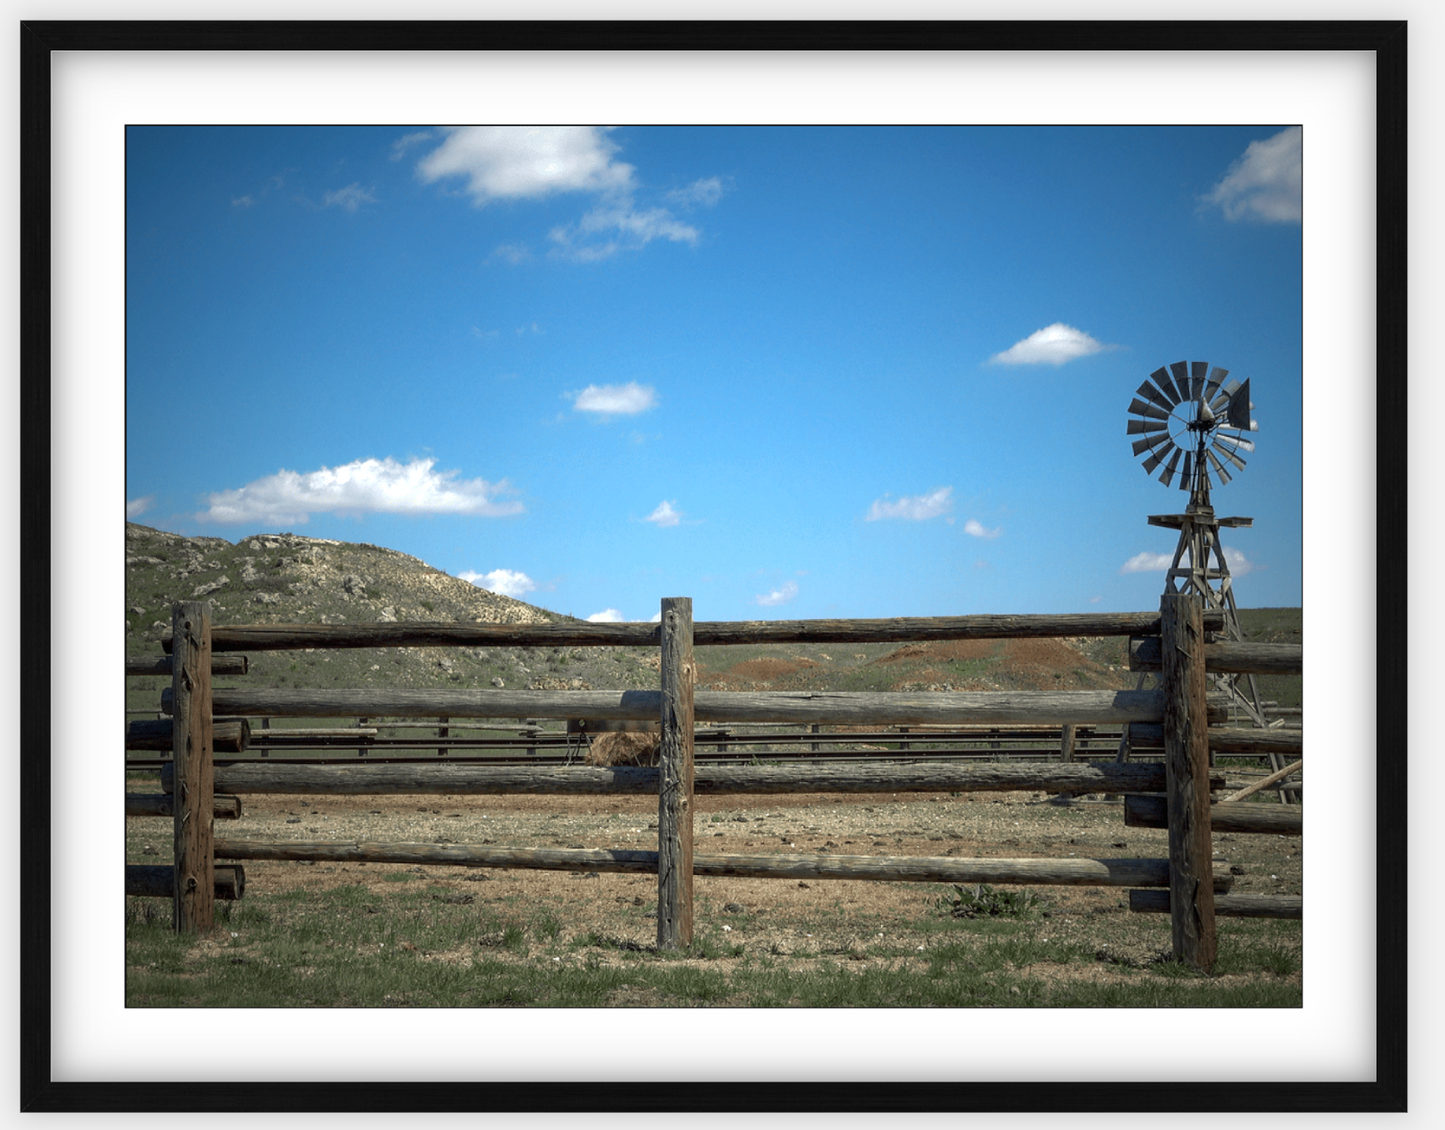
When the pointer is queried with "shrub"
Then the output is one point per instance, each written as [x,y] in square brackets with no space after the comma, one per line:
[982,901]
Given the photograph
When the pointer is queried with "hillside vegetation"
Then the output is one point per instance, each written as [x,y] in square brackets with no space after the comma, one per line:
[288,578]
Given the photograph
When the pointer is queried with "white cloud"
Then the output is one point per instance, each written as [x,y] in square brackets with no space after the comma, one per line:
[780,595]
[665,514]
[1052,345]
[135,507]
[521,162]
[365,486]
[913,507]
[242,201]
[506,582]
[1266,183]
[622,228]
[350,198]
[975,528]
[400,146]
[513,253]
[706,193]
[616,400]
[1239,565]
[509,162]
[607,616]
[1147,563]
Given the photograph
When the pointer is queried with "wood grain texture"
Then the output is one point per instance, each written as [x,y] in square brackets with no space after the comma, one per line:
[1186,762]
[903,629]
[191,745]
[1226,657]
[431,778]
[1226,906]
[1261,819]
[1051,708]
[675,778]
[905,869]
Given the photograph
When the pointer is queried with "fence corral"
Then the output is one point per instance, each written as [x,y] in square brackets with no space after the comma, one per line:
[198,789]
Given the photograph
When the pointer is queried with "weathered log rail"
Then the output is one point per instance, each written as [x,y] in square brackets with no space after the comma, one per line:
[1181,712]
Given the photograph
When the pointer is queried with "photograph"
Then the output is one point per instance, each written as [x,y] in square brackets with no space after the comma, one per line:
[600,558]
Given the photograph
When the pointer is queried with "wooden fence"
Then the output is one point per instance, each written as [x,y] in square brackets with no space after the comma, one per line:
[200,788]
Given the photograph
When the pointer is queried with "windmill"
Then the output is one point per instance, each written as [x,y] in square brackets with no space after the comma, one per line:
[1191,422]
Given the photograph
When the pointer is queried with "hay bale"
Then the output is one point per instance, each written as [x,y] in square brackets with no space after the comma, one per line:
[623,749]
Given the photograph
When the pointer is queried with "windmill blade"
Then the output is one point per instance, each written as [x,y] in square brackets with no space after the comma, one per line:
[1224,394]
[1216,378]
[1137,426]
[1198,370]
[1180,371]
[1184,483]
[1239,407]
[1224,476]
[1167,478]
[1160,377]
[1149,443]
[1239,442]
[1233,458]
[1157,455]
[1141,408]
[1149,392]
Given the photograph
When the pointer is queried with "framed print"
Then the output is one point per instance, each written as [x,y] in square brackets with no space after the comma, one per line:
[88,90]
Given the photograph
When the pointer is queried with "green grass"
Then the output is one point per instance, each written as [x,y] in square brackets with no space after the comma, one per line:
[349,947]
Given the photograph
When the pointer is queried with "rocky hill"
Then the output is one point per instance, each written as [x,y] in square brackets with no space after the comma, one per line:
[284,577]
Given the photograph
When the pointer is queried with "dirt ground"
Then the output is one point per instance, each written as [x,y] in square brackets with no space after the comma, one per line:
[796,921]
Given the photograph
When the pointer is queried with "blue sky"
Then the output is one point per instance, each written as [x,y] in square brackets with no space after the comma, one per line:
[789,372]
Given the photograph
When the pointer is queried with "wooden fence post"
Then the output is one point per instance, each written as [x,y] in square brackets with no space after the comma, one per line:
[191,740]
[1186,761]
[674,802]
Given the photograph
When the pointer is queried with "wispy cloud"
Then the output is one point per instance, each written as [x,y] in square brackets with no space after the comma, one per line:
[401,145]
[242,201]
[533,162]
[1266,183]
[383,486]
[607,616]
[780,595]
[666,514]
[135,507]
[913,507]
[506,582]
[1052,345]
[615,400]
[976,529]
[700,193]
[348,199]
[604,231]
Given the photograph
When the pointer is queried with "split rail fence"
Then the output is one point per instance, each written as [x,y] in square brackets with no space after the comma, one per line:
[200,785]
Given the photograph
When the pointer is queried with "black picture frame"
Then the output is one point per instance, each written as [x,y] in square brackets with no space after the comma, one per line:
[40,1092]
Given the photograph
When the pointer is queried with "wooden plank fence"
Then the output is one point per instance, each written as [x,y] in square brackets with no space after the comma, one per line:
[200,788]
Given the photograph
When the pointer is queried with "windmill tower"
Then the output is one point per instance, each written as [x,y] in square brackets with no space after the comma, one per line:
[1187,412]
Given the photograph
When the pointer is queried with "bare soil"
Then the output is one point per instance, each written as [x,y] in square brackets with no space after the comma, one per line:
[796,922]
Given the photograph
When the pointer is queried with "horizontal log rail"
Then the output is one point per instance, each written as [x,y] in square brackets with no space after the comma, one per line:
[157,734]
[1227,657]
[836,707]
[1224,739]
[471,780]
[143,880]
[163,804]
[1227,906]
[280,637]
[1226,816]
[905,869]
[161,665]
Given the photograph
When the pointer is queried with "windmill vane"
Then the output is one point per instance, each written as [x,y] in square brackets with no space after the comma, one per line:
[1189,420]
